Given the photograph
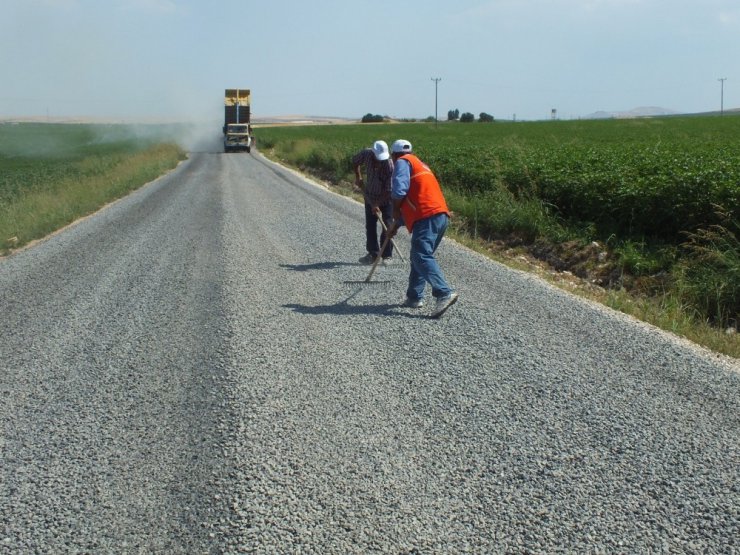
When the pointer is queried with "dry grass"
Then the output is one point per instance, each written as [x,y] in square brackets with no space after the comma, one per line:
[95,183]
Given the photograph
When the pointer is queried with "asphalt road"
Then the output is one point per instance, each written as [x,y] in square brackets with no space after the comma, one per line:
[187,372]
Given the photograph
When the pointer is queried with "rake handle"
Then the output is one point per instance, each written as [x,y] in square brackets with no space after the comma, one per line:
[395,247]
[377,258]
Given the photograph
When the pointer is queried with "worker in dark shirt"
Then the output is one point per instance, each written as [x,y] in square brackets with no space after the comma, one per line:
[377,193]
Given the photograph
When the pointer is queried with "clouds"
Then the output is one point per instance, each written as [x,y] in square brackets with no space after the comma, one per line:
[174,57]
[729,18]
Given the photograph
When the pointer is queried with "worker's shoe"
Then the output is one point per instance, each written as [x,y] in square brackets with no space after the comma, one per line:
[412,303]
[443,303]
[387,261]
[369,258]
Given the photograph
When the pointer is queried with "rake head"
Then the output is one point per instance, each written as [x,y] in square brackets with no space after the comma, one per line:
[367,281]
[381,283]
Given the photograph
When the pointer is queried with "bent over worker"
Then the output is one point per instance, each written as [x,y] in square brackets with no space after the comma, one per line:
[418,202]
[377,195]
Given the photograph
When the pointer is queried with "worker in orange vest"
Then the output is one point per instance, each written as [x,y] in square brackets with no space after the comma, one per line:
[418,203]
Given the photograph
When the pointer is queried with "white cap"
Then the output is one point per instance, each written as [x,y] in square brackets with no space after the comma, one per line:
[380,149]
[401,146]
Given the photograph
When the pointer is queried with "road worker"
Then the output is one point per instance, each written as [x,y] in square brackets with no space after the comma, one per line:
[419,204]
[377,195]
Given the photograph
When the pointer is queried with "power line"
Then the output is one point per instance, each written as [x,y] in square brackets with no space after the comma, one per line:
[722,95]
[436,81]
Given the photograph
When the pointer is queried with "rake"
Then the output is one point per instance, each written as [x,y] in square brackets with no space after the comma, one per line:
[367,281]
[395,247]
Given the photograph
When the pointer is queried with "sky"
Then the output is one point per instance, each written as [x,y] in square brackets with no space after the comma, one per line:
[145,60]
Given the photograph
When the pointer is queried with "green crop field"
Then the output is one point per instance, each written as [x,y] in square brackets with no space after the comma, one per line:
[53,174]
[661,194]
[652,178]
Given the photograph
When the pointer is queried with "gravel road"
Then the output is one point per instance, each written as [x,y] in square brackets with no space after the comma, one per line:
[187,372]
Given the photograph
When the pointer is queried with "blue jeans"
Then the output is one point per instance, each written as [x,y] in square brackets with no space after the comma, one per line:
[425,238]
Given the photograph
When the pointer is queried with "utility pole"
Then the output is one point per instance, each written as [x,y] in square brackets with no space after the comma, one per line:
[436,81]
[722,95]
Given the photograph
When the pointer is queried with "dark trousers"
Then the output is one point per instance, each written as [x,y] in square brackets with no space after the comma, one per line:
[371,229]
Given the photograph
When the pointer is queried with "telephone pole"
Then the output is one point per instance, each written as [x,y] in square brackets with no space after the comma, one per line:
[722,95]
[436,81]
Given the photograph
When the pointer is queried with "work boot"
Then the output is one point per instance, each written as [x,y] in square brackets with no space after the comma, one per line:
[443,303]
[413,303]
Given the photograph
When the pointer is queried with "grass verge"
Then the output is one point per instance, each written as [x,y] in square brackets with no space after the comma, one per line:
[85,185]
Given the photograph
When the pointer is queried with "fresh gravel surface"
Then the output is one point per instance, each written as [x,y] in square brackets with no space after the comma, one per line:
[187,372]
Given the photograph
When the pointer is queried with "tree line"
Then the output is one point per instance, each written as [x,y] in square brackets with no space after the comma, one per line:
[467,117]
[452,115]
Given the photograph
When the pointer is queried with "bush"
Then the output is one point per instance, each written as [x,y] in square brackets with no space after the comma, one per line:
[709,276]
[496,212]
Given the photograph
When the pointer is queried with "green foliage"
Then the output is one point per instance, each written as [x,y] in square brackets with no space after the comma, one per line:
[372,118]
[638,258]
[496,212]
[467,117]
[453,115]
[52,174]
[709,275]
[485,118]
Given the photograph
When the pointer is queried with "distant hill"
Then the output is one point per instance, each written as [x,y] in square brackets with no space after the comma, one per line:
[300,120]
[642,112]
[730,112]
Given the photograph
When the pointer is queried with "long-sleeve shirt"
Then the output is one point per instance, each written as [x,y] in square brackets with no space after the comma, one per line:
[401,180]
[378,180]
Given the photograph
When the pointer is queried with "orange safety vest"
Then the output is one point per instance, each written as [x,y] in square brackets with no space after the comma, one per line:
[424,198]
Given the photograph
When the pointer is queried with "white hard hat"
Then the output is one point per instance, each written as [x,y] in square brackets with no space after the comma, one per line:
[401,145]
[380,149]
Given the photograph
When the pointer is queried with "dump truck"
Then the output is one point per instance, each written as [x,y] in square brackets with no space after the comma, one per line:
[237,127]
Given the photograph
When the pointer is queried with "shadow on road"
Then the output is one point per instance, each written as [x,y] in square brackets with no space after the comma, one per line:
[343,309]
[316,266]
